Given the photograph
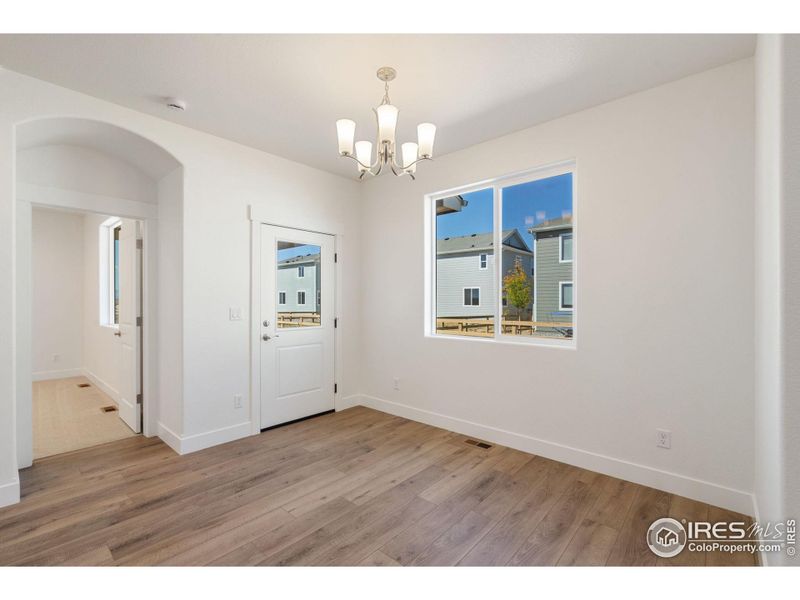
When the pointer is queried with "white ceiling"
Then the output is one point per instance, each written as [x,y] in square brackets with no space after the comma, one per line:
[283,93]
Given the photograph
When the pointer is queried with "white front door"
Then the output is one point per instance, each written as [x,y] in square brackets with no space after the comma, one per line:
[129,330]
[296,324]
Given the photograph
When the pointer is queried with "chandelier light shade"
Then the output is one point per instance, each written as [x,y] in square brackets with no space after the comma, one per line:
[346,129]
[386,150]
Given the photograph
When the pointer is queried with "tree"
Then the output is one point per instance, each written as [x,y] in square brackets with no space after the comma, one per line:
[517,288]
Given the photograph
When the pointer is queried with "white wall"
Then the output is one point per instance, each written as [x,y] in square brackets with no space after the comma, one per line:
[85,170]
[57,286]
[665,204]
[220,180]
[777,316]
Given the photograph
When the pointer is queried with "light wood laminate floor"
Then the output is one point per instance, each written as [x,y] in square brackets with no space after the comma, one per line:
[67,417]
[358,487]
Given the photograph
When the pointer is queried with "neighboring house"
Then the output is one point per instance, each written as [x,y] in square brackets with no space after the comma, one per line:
[465,275]
[553,270]
[298,284]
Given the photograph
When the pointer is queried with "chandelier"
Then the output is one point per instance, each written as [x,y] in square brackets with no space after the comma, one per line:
[386,154]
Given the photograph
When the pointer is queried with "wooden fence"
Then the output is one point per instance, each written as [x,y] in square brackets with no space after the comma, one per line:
[484,327]
[298,319]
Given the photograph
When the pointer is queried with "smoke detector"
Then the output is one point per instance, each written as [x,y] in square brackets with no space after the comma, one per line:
[176,104]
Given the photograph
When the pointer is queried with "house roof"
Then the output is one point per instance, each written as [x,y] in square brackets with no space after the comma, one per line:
[299,260]
[553,224]
[479,241]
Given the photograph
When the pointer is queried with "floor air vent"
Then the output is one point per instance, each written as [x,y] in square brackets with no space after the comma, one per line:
[109,409]
[84,385]
[483,445]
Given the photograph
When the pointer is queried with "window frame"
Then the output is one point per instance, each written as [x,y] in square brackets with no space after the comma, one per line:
[561,306]
[561,237]
[303,303]
[497,184]
[281,293]
[463,297]
[483,261]
[301,271]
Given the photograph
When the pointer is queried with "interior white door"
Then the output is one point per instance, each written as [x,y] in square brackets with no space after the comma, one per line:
[129,305]
[296,325]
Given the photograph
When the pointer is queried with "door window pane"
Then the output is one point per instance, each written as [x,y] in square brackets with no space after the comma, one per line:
[465,264]
[537,259]
[298,279]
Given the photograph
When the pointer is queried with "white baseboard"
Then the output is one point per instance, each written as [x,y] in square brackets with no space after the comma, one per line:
[673,483]
[102,385]
[348,402]
[9,492]
[169,437]
[201,441]
[59,374]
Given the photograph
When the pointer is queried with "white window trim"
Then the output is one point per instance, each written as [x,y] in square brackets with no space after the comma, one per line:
[480,260]
[561,247]
[301,271]
[429,266]
[279,297]
[106,276]
[303,303]
[560,299]
[471,287]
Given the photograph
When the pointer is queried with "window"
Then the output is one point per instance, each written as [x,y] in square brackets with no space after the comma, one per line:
[109,279]
[472,296]
[296,308]
[301,272]
[463,235]
[281,297]
[301,297]
[565,247]
[565,295]
[528,287]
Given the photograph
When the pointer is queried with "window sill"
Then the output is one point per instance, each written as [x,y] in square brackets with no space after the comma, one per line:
[566,344]
[107,326]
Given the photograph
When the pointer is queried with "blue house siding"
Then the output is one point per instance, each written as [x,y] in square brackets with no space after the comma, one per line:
[454,272]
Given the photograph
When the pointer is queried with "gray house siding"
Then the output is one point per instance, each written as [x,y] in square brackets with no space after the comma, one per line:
[549,272]
[454,272]
[289,282]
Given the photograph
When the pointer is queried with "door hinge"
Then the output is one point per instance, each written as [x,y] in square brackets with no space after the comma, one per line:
[139,244]
[336,322]
[335,257]
[335,388]
[138,398]
[138,321]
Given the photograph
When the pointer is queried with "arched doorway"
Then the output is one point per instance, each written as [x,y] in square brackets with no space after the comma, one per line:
[104,171]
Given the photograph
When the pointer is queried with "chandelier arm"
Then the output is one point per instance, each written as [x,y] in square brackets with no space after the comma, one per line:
[362,165]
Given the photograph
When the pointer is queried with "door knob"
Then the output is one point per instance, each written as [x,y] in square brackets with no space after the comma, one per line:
[265,337]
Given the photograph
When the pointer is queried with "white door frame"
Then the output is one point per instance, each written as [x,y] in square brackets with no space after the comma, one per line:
[32,196]
[259,217]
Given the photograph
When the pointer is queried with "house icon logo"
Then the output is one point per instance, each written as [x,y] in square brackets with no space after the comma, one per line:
[666,537]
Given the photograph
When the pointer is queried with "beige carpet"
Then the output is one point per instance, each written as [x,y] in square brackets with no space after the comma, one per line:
[67,417]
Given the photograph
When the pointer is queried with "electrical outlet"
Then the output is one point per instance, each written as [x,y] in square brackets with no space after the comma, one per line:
[396,383]
[237,401]
[663,438]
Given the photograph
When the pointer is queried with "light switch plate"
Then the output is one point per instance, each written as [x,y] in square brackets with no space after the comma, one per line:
[235,313]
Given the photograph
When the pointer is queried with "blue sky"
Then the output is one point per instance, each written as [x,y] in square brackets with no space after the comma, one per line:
[524,206]
[297,251]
